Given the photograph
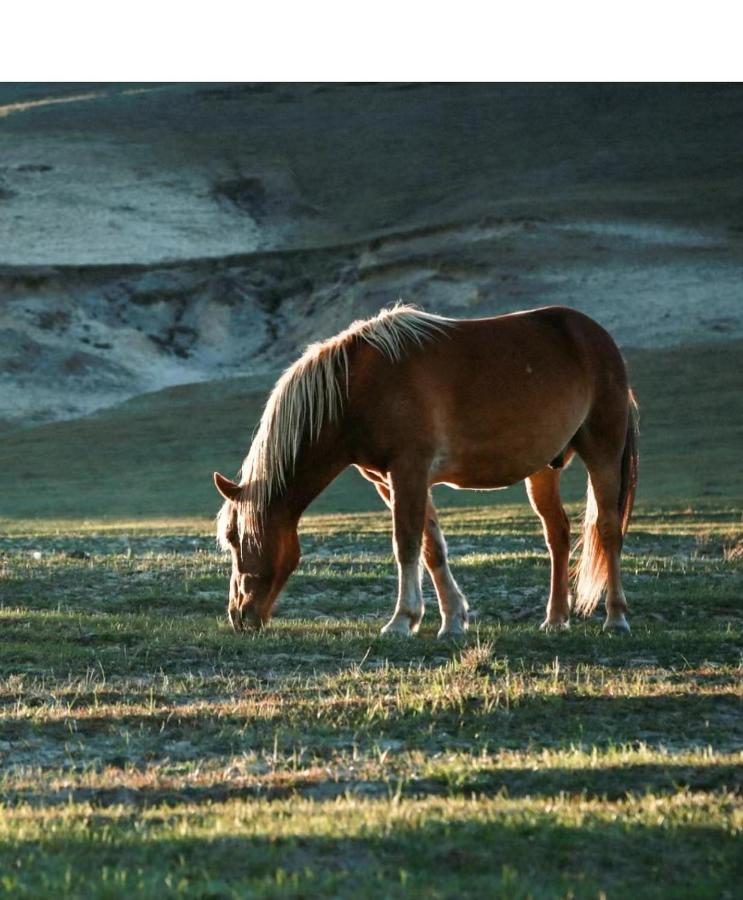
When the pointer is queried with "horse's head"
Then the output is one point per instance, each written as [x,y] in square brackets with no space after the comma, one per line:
[259,570]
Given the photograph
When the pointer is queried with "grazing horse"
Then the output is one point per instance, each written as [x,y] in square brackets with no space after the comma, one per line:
[412,400]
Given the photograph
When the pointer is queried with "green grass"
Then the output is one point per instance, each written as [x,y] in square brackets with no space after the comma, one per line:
[153,457]
[146,750]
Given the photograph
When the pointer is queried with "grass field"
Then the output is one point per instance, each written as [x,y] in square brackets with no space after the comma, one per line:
[146,750]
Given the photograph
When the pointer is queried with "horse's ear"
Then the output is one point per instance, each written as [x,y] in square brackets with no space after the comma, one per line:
[228,489]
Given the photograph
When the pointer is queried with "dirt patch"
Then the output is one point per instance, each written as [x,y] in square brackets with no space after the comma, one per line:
[34,167]
[249,195]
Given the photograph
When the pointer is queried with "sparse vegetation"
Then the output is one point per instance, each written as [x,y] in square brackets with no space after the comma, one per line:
[147,750]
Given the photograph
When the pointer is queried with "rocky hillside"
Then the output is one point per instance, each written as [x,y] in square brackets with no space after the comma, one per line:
[151,236]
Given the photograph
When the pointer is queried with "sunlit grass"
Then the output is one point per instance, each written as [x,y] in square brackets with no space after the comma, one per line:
[145,749]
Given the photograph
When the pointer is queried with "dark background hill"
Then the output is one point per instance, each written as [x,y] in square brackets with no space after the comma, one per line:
[161,235]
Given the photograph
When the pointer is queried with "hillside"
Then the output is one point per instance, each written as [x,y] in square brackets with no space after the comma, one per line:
[153,456]
[112,174]
[167,234]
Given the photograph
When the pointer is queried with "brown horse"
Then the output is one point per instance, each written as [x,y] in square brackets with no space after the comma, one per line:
[412,400]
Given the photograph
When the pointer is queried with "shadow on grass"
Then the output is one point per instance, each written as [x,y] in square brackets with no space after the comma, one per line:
[538,722]
[610,782]
[333,643]
[438,855]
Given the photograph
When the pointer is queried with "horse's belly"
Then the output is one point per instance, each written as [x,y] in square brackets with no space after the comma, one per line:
[483,479]
[485,466]
[492,446]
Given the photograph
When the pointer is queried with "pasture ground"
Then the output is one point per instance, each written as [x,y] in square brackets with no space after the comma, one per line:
[146,750]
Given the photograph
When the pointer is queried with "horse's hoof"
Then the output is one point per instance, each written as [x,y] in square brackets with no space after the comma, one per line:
[236,619]
[452,632]
[400,626]
[618,625]
[559,625]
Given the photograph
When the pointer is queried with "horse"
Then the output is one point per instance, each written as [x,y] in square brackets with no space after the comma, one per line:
[412,400]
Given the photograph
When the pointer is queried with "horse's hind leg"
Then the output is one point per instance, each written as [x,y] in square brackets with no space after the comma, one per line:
[543,490]
[605,482]
[599,564]
[452,603]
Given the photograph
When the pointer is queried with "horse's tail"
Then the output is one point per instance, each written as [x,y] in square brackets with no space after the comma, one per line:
[591,568]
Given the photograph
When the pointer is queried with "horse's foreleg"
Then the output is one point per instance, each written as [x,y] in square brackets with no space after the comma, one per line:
[409,491]
[452,603]
[543,490]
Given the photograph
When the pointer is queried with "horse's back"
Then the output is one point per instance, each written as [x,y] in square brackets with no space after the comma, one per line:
[561,329]
[491,400]
[547,351]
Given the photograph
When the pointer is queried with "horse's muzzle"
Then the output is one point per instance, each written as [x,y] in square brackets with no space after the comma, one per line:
[244,619]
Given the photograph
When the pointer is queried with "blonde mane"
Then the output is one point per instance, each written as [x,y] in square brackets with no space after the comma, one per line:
[309,394]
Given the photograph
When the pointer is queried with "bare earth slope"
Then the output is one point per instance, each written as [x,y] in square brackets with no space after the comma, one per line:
[163,234]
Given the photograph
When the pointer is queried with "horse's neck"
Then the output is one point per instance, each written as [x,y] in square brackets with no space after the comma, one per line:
[318,463]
